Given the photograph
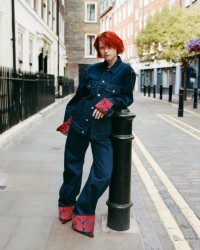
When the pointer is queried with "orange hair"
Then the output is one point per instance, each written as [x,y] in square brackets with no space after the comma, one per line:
[110,39]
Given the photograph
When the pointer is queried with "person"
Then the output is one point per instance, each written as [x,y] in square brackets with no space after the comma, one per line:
[105,88]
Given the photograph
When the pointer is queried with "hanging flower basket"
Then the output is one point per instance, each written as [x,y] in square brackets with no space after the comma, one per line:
[194,45]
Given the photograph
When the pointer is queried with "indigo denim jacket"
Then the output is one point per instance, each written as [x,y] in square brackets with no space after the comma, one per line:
[115,84]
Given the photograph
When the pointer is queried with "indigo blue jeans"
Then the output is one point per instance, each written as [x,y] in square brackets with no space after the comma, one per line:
[99,176]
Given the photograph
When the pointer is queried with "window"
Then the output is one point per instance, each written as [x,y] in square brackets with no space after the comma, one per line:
[115,18]
[130,29]
[137,14]
[119,15]
[36,6]
[102,25]
[107,23]
[130,51]
[145,19]
[187,3]
[124,13]
[54,16]
[146,2]
[124,33]
[20,47]
[30,51]
[166,77]
[148,77]
[49,12]
[140,23]
[90,12]
[153,12]
[171,4]
[89,48]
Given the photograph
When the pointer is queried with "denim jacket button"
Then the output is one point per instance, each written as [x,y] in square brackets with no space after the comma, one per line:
[86,120]
[82,132]
[113,91]
[98,95]
[103,81]
[92,107]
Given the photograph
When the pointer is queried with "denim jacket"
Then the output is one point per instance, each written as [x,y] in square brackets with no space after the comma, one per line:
[115,84]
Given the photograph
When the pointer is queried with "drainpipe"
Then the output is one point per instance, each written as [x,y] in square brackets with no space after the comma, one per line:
[58,8]
[13,35]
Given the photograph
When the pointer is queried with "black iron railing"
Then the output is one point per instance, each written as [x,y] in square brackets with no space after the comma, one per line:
[65,86]
[23,95]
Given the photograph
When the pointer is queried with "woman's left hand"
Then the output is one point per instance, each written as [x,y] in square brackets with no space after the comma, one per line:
[97,114]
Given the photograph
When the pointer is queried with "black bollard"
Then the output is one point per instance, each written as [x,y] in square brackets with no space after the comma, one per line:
[180,104]
[161,91]
[154,91]
[119,203]
[149,90]
[144,90]
[195,99]
[170,92]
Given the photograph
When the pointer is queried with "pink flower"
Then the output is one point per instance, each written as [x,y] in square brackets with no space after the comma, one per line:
[194,45]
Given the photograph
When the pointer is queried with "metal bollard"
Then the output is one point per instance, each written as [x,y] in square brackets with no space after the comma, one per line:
[154,91]
[180,104]
[119,203]
[161,91]
[144,90]
[195,99]
[170,93]
[149,90]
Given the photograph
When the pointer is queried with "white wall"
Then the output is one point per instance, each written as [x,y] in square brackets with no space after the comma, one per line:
[30,25]
[5,34]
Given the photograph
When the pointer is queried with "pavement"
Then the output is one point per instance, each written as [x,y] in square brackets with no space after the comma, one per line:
[165,182]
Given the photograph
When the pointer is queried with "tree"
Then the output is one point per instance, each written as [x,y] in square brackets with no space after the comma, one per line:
[166,35]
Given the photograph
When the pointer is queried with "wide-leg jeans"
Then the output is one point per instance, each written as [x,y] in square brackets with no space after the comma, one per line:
[99,176]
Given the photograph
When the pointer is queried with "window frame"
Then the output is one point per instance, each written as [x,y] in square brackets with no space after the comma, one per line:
[31,41]
[87,55]
[20,46]
[95,12]
[187,3]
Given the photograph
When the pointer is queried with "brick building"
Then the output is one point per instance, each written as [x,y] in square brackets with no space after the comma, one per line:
[81,28]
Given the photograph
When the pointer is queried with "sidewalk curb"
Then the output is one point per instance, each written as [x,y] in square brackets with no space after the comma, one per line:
[13,132]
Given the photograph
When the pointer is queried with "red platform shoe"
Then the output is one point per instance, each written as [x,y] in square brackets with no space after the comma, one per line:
[84,224]
[65,213]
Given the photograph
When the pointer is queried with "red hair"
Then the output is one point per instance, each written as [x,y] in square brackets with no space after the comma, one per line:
[109,39]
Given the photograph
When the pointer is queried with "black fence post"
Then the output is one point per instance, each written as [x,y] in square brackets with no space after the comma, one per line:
[161,91]
[170,92]
[71,86]
[195,99]
[154,91]
[180,104]
[119,203]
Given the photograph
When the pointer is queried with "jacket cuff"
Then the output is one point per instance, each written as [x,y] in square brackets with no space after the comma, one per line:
[64,128]
[104,105]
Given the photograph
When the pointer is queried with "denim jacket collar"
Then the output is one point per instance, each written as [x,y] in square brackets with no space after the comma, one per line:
[114,66]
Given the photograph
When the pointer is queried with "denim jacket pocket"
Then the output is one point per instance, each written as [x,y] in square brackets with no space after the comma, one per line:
[112,90]
[91,86]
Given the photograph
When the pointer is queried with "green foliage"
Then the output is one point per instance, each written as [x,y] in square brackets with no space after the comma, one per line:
[166,35]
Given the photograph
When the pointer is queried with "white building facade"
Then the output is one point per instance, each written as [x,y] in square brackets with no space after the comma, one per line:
[33,30]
